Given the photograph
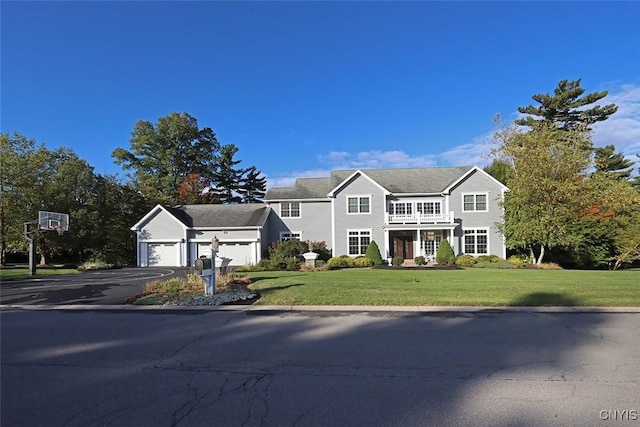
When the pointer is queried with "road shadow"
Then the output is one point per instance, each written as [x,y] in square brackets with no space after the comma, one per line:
[306,368]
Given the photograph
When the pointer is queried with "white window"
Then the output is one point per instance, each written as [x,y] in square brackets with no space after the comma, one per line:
[476,241]
[474,203]
[359,241]
[358,204]
[400,208]
[429,208]
[289,235]
[290,209]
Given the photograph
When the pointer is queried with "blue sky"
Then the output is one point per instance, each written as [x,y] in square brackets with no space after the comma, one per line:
[305,87]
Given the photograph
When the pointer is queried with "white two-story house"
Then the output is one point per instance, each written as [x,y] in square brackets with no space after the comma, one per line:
[408,212]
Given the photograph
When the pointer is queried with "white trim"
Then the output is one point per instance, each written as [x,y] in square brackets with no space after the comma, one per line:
[160,241]
[291,216]
[469,172]
[353,175]
[475,234]
[249,227]
[358,196]
[270,201]
[476,193]
[138,225]
[358,230]
[281,233]
[333,225]
[251,240]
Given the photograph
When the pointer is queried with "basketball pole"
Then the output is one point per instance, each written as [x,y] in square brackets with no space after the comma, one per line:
[32,247]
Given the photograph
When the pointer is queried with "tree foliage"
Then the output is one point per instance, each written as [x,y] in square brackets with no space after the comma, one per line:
[566,108]
[500,170]
[163,155]
[101,209]
[548,169]
[609,162]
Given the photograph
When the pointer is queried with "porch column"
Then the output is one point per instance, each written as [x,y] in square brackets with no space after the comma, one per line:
[385,255]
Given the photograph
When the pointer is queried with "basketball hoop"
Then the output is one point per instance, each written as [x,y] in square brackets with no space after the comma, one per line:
[59,229]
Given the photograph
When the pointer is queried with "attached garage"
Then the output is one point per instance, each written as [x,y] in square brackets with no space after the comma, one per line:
[162,254]
[177,236]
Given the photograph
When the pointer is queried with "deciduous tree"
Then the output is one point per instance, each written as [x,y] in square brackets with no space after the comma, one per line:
[163,155]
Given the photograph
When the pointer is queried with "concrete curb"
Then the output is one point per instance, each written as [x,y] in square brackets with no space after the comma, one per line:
[320,308]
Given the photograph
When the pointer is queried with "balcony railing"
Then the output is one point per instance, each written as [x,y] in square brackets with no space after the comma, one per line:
[418,218]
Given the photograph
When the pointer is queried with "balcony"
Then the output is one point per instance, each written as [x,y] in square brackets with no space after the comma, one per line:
[418,218]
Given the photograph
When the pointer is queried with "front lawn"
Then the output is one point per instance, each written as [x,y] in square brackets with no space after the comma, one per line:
[469,287]
[14,273]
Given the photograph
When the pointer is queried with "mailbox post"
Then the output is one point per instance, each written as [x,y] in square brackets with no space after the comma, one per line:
[215,243]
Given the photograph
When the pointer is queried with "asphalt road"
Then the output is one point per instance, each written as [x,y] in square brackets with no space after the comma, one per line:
[247,367]
[102,287]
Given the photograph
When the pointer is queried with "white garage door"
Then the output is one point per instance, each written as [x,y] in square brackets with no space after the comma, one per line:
[162,255]
[239,252]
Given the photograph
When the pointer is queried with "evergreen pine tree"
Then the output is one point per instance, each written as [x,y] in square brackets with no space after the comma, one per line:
[253,186]
[612,163]
[565,107]
[227,177]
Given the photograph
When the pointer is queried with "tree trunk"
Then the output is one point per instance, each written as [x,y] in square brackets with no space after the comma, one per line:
[532,255]
[539,261]
[617,264]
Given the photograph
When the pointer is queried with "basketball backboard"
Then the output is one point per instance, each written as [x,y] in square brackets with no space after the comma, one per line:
[53,221]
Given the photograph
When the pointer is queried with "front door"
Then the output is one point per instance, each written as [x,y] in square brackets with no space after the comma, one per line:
[402,246]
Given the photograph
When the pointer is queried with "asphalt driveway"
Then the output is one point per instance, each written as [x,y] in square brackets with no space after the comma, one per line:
[103,287]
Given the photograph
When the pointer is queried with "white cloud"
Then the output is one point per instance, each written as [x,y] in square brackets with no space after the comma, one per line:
[375,159]
[287,180]
[622,129]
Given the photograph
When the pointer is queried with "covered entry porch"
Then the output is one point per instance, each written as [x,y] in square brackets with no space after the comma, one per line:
[409,243]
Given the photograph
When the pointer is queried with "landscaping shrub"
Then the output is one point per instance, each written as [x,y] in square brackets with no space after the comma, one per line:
[519,261]
[373,253]
[420,260]
[287,249]
[489,264]
[397,261]
[466,260]
[548,266]
[232,282]
[364,261]
[343,261]
[96,262]
[323,252]
[489,258]
[445,255]
[192,284]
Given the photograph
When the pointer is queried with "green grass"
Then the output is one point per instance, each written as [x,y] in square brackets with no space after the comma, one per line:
[14,273]
[469,287]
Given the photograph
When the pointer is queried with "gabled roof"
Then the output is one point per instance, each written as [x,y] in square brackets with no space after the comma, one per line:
[216,216]
[396,181]
[157,208]
[304,188]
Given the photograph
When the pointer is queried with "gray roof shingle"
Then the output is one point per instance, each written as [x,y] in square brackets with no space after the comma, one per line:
[408,180]
[222,216]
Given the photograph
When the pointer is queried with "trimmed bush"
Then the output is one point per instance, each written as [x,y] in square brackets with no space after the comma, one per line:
[489,258]
[519,261]
[397,261]
[498,265]
[364,261]
[420,260]
[445,255]
[343,261]
[373,253]
[466,260]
